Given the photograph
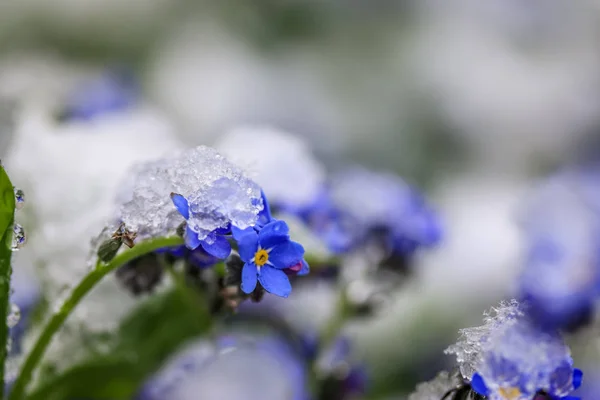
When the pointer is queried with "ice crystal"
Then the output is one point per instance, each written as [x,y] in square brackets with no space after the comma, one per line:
[217,190]
[436,388]
[474,341]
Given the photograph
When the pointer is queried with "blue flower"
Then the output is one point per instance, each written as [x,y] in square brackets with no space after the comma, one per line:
[115,90]
[266,254]
[383,204]
[520,362]
[215,244]
[327,221]
[561,276]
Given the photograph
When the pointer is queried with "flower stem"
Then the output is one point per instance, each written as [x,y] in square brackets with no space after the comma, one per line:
[78,293]
[334,324]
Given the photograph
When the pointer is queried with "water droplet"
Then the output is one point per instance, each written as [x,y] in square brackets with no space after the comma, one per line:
[14,316]
[19,199]
[19,237]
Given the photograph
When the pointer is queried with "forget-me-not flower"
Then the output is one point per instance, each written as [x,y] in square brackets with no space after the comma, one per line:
[266,255]
[215,244]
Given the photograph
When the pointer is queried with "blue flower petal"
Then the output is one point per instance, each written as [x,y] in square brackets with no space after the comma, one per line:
[305,269]
[237,233]
[273,233]
[577,378]
[570,398]
[249,277]
[478,385]
[275,281]
[181,204]
[286,255]
[264,216]
[248,246]
[191,239]
[220,248]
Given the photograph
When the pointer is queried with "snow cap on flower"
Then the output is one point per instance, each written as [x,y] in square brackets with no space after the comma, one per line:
[266,255]
[561,275]
[233,367]
[508,358]
[278,161]
[379,201]
[217,191]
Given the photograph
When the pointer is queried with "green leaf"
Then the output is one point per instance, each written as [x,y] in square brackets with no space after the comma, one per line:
[7,212]
[144,341]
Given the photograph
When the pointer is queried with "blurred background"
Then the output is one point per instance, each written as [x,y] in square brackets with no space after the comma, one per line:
[470,101]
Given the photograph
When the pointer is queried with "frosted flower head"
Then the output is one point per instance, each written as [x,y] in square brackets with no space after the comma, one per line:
[509,359]
[233,367]
[278,161]
[383,202]
[561,275]
[217,193]
[113,91]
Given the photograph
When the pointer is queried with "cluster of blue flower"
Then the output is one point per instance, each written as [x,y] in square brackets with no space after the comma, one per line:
[268,253]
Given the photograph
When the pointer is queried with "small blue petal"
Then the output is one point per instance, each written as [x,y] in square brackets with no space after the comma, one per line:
[181,204]
[272,234]
[191,239]
[264,216]
[305,269]
[577,378]
[248,246]
[275,281]
[220,248]
[237,233]
[249,277]
[570,398]
[286,255]
[478,385]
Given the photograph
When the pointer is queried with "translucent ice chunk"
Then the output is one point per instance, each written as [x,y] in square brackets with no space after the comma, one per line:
[217,190]
[473,341]
[436,388]
[280,162]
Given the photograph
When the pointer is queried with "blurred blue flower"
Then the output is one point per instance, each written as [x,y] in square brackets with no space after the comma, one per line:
[232,367]
[522,361]
[115,90]
[215,244]
[266,254]
[327,221]
[561,276]
[350,377]
[384,204]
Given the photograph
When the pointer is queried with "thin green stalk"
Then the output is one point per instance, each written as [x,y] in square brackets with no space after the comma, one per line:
[78,293]
[7,213]
[334,324]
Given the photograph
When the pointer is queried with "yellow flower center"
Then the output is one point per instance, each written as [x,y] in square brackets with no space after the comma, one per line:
[510,393]
[261,257]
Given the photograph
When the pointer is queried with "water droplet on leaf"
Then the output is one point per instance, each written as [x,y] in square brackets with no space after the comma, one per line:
[19,237]
[19,199]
